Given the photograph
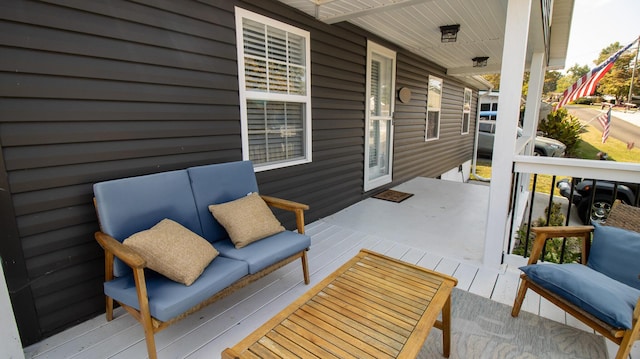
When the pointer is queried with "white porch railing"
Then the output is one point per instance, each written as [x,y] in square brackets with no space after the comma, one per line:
[526,166]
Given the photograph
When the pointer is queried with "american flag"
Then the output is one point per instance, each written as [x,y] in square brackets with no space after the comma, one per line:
[605,121]
[586,85]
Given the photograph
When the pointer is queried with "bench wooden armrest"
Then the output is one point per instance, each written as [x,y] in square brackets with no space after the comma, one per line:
[544,233]
[124,253]
[284,204]
[297,208]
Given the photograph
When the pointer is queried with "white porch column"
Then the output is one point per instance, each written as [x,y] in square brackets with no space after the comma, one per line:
[513,61]
[534,96]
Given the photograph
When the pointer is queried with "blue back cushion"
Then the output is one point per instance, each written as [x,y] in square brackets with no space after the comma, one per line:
[130,205]
[615,252]
[220,183]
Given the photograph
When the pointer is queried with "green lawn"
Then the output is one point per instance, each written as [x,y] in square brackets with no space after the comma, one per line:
[590,145]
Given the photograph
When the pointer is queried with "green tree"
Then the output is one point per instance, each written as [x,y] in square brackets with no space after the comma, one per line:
[551,81]
[573,74]
[617,81]
[608,51]
[494,79]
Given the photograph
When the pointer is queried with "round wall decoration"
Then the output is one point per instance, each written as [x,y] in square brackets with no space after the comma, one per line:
[404,94]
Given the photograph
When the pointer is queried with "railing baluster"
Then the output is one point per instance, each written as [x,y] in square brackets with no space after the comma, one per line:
[526,244]
[514,197]
[591,201]
[553,183]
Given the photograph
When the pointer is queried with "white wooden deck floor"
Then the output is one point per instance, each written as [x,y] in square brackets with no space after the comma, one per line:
[224,323]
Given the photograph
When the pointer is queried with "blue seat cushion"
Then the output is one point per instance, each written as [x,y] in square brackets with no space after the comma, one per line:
[605,298]
[267,251]
[168,299]
[615,252]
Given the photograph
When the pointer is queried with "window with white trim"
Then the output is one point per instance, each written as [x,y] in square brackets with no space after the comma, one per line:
[466,111]
[434,102]
[275,91]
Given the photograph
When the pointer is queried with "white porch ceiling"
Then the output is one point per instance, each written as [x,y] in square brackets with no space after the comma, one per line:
[415,26]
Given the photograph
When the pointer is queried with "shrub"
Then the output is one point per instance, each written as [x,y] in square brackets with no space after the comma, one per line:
[562,126]
[557,250]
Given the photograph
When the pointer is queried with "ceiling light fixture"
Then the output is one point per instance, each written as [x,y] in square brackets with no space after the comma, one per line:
[449,33]
[480,61]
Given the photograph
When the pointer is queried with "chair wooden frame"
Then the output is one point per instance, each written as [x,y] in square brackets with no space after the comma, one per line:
[114,248]
[623,337]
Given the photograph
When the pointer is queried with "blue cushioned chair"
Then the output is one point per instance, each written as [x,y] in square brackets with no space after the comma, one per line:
[604,290]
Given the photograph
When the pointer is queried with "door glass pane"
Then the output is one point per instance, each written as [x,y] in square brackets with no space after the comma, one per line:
[381,81]
[379,146]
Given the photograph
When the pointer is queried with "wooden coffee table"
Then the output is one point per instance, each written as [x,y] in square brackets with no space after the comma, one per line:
[373,306]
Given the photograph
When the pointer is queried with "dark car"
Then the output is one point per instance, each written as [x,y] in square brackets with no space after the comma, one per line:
[544,146]
[595,205]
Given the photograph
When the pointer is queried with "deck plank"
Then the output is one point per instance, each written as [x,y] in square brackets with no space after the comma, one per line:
[484,282]
[465,273]
[506,287]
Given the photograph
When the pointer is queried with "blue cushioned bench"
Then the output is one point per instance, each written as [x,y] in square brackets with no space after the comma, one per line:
[131,205]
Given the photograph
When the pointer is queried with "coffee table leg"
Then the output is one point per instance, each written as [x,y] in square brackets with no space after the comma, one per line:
[446,327]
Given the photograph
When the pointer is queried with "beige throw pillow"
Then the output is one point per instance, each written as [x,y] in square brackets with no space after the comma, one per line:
[246,219]
[173,251]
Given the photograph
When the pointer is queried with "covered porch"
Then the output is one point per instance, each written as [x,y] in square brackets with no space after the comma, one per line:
[418,230]
[440,227]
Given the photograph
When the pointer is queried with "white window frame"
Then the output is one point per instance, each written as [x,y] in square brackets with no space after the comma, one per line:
[246,95]
[432,106]
[466,110]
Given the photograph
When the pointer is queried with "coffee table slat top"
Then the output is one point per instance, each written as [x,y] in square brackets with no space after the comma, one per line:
[373,306]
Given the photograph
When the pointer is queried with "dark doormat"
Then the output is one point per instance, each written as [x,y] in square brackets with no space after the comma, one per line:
[393,196]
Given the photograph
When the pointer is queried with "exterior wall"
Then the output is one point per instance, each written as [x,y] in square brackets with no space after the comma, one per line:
[99,90]
[412,155]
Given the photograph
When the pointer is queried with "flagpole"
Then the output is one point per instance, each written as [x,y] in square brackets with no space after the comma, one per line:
[594,117]
[633,72]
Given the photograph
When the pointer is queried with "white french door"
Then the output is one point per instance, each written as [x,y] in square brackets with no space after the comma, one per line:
[378,155]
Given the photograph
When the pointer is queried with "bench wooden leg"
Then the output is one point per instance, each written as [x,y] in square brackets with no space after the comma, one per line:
[517,303]
[446,328]
[145,313]
[305,267]
[630,336]
[109,308]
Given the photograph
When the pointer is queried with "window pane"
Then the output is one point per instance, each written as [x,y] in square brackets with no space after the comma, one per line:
[485,107]
[277,77]
[297,83]
[465,122]
[297,50]
[433,118]
[494,106]
[277,44]
[467,100]
[254,38]
[255,72]
[276,131]
[435,94]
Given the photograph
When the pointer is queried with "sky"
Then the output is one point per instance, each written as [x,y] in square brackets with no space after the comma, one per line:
[599,23]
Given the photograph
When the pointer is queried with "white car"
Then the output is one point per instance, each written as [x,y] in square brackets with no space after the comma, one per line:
[544,146]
